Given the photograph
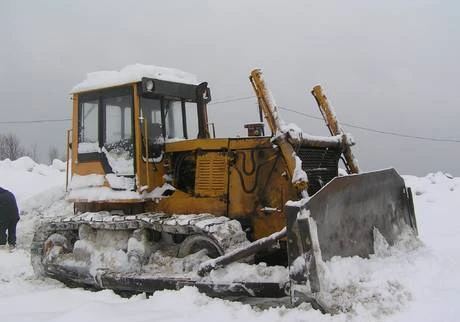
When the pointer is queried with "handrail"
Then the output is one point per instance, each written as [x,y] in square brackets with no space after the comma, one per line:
[67,160]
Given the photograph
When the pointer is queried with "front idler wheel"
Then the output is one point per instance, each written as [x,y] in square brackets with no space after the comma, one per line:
[195,243]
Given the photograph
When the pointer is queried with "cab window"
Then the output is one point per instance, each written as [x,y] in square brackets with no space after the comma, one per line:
[105,129]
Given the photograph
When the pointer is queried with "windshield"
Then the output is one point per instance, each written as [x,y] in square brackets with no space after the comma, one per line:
[118,142]
[172,127]
[159,124]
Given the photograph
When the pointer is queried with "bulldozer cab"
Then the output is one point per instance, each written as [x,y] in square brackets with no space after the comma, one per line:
[123,130]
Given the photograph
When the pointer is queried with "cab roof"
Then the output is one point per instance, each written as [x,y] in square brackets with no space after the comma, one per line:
[132,74]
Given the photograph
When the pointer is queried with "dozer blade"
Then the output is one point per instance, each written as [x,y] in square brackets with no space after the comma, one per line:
[339,219]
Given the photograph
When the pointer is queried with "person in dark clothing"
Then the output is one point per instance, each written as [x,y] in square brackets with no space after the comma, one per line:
[9,217]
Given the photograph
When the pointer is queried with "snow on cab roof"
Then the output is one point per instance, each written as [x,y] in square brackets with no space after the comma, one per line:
[131,74]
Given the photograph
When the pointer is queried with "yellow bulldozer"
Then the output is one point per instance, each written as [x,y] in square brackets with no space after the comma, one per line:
[150,180]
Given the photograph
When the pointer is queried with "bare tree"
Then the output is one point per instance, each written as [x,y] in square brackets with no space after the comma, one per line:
[53,153]
[10,147]
[33,153]
[2,147]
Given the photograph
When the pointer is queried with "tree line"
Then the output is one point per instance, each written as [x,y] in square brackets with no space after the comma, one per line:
[11,148]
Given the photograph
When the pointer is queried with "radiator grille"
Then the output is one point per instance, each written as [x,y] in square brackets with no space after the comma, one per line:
[211,175]
[320,164]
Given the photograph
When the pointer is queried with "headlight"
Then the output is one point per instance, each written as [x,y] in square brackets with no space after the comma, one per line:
[149,85]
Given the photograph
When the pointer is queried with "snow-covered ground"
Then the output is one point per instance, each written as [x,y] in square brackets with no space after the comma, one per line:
[411,282]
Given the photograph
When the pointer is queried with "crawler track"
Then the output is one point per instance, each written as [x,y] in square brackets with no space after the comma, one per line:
[223,231]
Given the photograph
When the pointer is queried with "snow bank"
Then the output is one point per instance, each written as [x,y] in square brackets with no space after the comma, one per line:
[59,165]
[131,74]
[39,192]
[27,178]
[69,305]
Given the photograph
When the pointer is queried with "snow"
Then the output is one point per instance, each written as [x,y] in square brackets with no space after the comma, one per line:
[298,203]
[243,246]
[90,180]
[241,272]
[101,193]
[25,178]
[299,174]
[88,147]
[120,161]
[158,192]
[172,140]
[119,182]
[91,188]
[59,165]
[296,133]
[131,74]
[412,281]
[25,163]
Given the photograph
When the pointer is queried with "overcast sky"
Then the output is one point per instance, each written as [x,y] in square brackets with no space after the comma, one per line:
[386,65]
